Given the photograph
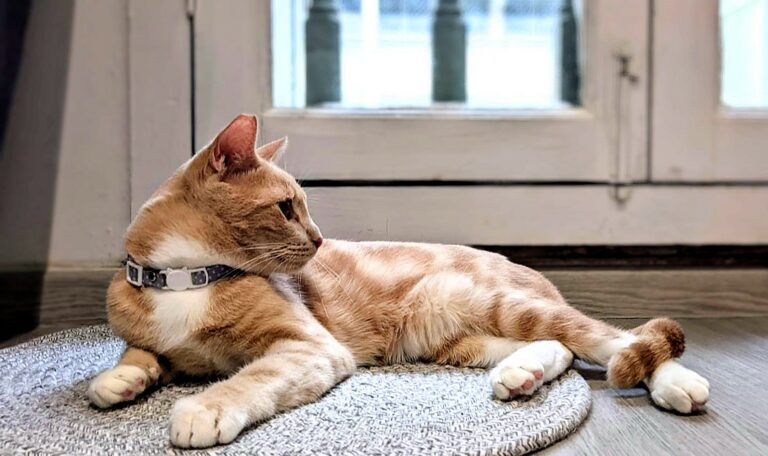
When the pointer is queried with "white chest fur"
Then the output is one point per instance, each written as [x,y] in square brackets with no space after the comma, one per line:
[177,314]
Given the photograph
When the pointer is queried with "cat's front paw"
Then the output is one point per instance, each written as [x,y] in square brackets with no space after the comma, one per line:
[198,423]
[674,387]
[119,384]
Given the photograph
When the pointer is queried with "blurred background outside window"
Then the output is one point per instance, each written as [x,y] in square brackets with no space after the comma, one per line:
[514,52]
[744,40]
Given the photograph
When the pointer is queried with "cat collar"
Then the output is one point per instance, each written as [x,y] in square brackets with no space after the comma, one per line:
[174,279]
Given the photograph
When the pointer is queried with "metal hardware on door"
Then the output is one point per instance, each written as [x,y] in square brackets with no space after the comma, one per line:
[621,179]
[624,69]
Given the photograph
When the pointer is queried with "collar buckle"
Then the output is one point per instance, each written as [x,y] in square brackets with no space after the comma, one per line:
[185,279]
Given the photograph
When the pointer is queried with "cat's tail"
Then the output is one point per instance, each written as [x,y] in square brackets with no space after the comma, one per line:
[658,340]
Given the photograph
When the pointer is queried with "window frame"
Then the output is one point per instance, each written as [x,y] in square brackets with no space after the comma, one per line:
[594,143]
[695,138]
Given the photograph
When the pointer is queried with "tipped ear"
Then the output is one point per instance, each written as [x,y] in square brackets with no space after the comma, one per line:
[233,148]
[273,151]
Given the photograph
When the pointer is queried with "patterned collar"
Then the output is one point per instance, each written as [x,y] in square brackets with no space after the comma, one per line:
[175,279]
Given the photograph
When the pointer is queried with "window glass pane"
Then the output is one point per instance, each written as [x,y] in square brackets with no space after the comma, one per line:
[386,47]
[744,34]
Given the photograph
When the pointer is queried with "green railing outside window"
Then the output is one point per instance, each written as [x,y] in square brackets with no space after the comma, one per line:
[449,34]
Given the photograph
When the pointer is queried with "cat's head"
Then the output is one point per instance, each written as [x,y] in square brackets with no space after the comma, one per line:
[230,204]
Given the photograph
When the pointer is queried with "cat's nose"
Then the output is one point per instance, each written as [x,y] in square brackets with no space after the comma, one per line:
[314,234]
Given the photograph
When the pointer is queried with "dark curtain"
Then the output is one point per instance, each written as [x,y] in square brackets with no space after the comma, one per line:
[13,22]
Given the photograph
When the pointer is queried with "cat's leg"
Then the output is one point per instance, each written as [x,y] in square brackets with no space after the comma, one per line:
[289,374]
[136,371]
[518,367]
[657,343]
[634,353]
[647,353]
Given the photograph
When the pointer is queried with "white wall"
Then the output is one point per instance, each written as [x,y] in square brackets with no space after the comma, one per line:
[64,164]
[103,86]
[92,191]
[29,157]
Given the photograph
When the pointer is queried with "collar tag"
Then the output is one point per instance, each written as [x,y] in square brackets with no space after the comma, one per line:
[184,279]
[177,279]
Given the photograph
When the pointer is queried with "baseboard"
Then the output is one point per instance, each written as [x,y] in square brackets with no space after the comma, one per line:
[635,256]
[65,298]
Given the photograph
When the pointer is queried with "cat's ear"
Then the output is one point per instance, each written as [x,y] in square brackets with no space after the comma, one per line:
[272,151]
[234,148]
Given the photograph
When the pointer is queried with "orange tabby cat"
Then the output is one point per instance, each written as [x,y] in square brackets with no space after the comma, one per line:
[301,313]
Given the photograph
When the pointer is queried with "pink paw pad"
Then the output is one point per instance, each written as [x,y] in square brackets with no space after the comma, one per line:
[538,374]
[127,393]
[139,382]
[528,384]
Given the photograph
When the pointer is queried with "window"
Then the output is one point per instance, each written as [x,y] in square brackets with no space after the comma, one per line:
[744,32]
[519,134]
[385,50]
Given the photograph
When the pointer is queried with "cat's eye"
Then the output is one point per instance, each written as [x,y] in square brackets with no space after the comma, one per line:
[286,207]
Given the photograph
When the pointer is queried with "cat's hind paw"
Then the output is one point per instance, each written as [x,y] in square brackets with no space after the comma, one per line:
[673,387]
[515,378]
[198,424]
[524,371]
[120,384]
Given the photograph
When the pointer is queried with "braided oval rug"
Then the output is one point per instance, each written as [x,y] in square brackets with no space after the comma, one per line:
[406,410]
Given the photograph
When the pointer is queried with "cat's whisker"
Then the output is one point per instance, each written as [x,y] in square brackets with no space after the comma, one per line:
[253,247]
[262,258]
[269,256]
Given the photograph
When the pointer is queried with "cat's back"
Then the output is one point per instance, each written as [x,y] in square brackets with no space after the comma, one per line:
[379,263]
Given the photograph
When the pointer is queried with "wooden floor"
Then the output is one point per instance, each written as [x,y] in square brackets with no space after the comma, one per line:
[725,315]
